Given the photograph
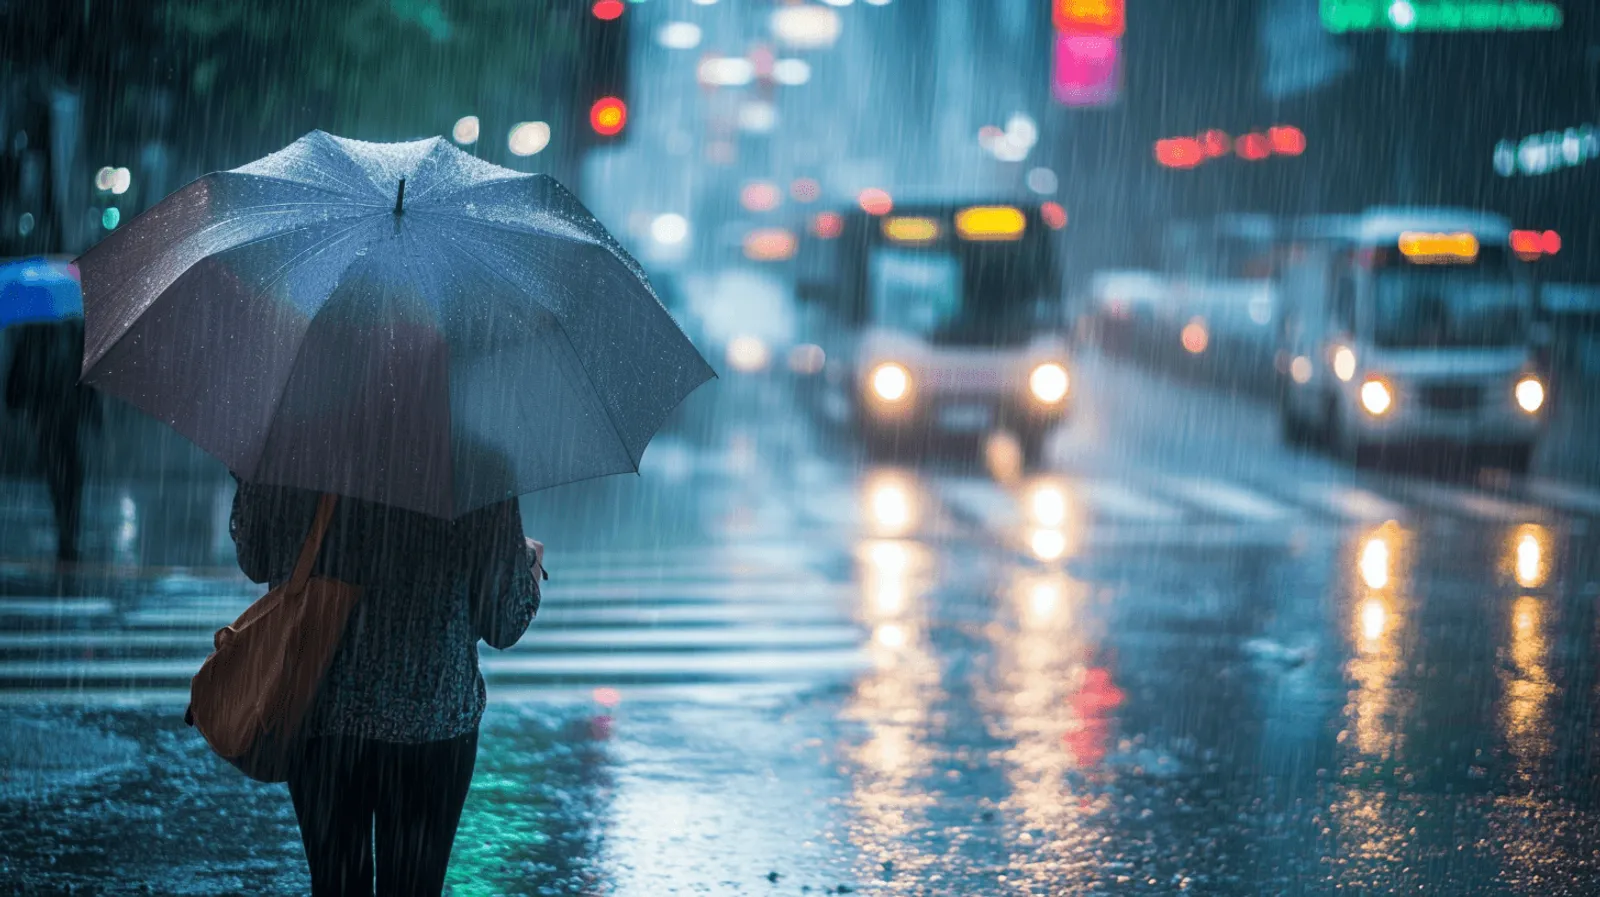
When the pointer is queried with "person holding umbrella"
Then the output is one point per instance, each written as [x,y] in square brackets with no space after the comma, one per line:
[425,336]
[42,314]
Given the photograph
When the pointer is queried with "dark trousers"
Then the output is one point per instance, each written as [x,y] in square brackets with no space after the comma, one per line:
[346,790]
[61,455]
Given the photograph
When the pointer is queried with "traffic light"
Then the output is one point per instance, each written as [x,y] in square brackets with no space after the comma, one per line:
[601,100]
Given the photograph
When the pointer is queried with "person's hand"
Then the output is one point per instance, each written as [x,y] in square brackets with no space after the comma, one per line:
[537,548]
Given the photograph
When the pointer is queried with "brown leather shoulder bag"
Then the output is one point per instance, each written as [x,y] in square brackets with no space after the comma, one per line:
[251,695]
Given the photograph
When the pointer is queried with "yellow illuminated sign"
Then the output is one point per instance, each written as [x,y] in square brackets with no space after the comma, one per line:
[1447,248]
[990,223]
[905,229]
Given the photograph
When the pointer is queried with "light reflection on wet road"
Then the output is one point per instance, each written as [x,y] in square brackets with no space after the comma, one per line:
[1089,681]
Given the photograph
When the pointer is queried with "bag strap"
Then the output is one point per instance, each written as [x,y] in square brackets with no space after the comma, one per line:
[313,543]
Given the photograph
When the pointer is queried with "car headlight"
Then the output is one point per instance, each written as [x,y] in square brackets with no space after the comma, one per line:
[1375,397]
[1530,394]
[891,382]
[1344,363]
[1049,383]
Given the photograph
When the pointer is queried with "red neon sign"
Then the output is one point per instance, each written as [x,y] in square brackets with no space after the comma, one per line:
[1087,72]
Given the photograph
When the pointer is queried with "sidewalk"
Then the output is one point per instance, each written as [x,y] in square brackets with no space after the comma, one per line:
[566,799]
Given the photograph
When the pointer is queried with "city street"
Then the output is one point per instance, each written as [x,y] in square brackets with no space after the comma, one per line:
[1184,658]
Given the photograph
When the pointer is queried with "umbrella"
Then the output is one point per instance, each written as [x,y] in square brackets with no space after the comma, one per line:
[38,289]
[397,322]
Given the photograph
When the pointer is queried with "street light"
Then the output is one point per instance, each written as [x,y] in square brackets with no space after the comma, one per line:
[806,27]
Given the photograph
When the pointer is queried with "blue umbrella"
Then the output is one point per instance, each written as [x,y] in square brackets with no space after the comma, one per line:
[398,322]
[38,289]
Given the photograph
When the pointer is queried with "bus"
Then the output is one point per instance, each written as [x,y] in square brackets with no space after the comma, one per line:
[939,321]
[1409,327]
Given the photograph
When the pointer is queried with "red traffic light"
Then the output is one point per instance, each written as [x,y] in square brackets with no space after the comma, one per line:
[608,10]
[608,116]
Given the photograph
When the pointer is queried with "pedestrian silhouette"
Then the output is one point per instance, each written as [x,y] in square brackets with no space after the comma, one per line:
[42,388]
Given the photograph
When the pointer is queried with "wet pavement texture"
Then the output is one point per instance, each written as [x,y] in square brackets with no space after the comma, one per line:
[1185,660]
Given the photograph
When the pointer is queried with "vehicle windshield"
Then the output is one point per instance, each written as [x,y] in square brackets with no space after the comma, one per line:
[1419,307]
[988,295]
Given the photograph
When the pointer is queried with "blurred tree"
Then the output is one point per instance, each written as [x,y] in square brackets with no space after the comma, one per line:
[204,84]
[375,69]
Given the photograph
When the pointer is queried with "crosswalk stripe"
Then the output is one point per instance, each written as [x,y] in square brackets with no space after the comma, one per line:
[754,614]
[1113,500]
[1565,495]
[54,607]
[505,665]
[219,610]
[503,693]
[702,591]
[1350,502]
[555,613]
[1231,500]
[729,663]
[1475,504]
[539,638]
[675,571]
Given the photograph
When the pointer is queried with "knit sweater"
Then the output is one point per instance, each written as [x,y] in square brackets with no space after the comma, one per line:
[406,669]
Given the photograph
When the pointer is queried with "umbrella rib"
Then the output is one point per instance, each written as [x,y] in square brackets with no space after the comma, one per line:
[299,350]
[615,430]
[428,191]
[349,198]
[513,229]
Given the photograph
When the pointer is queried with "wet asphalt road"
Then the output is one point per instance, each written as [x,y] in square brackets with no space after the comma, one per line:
[1186,660]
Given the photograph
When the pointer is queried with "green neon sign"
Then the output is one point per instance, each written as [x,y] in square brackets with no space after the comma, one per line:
[1339,16]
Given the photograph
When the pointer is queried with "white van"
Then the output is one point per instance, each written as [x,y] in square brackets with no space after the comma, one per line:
[1408,328]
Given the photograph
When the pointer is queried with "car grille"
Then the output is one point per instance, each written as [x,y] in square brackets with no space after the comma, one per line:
[1452,397]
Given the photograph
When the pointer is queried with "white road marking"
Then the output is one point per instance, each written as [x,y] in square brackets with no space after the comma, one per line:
[539,638]
[1566,495]
[501,665]
[1231,500]
[55,607]
[1473,503]
[1350,502]
[1114,501]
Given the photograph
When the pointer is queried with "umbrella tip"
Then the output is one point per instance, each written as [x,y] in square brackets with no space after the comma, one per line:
[400,198]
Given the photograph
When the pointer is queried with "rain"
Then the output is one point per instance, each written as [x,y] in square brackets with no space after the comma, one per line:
[639,447]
